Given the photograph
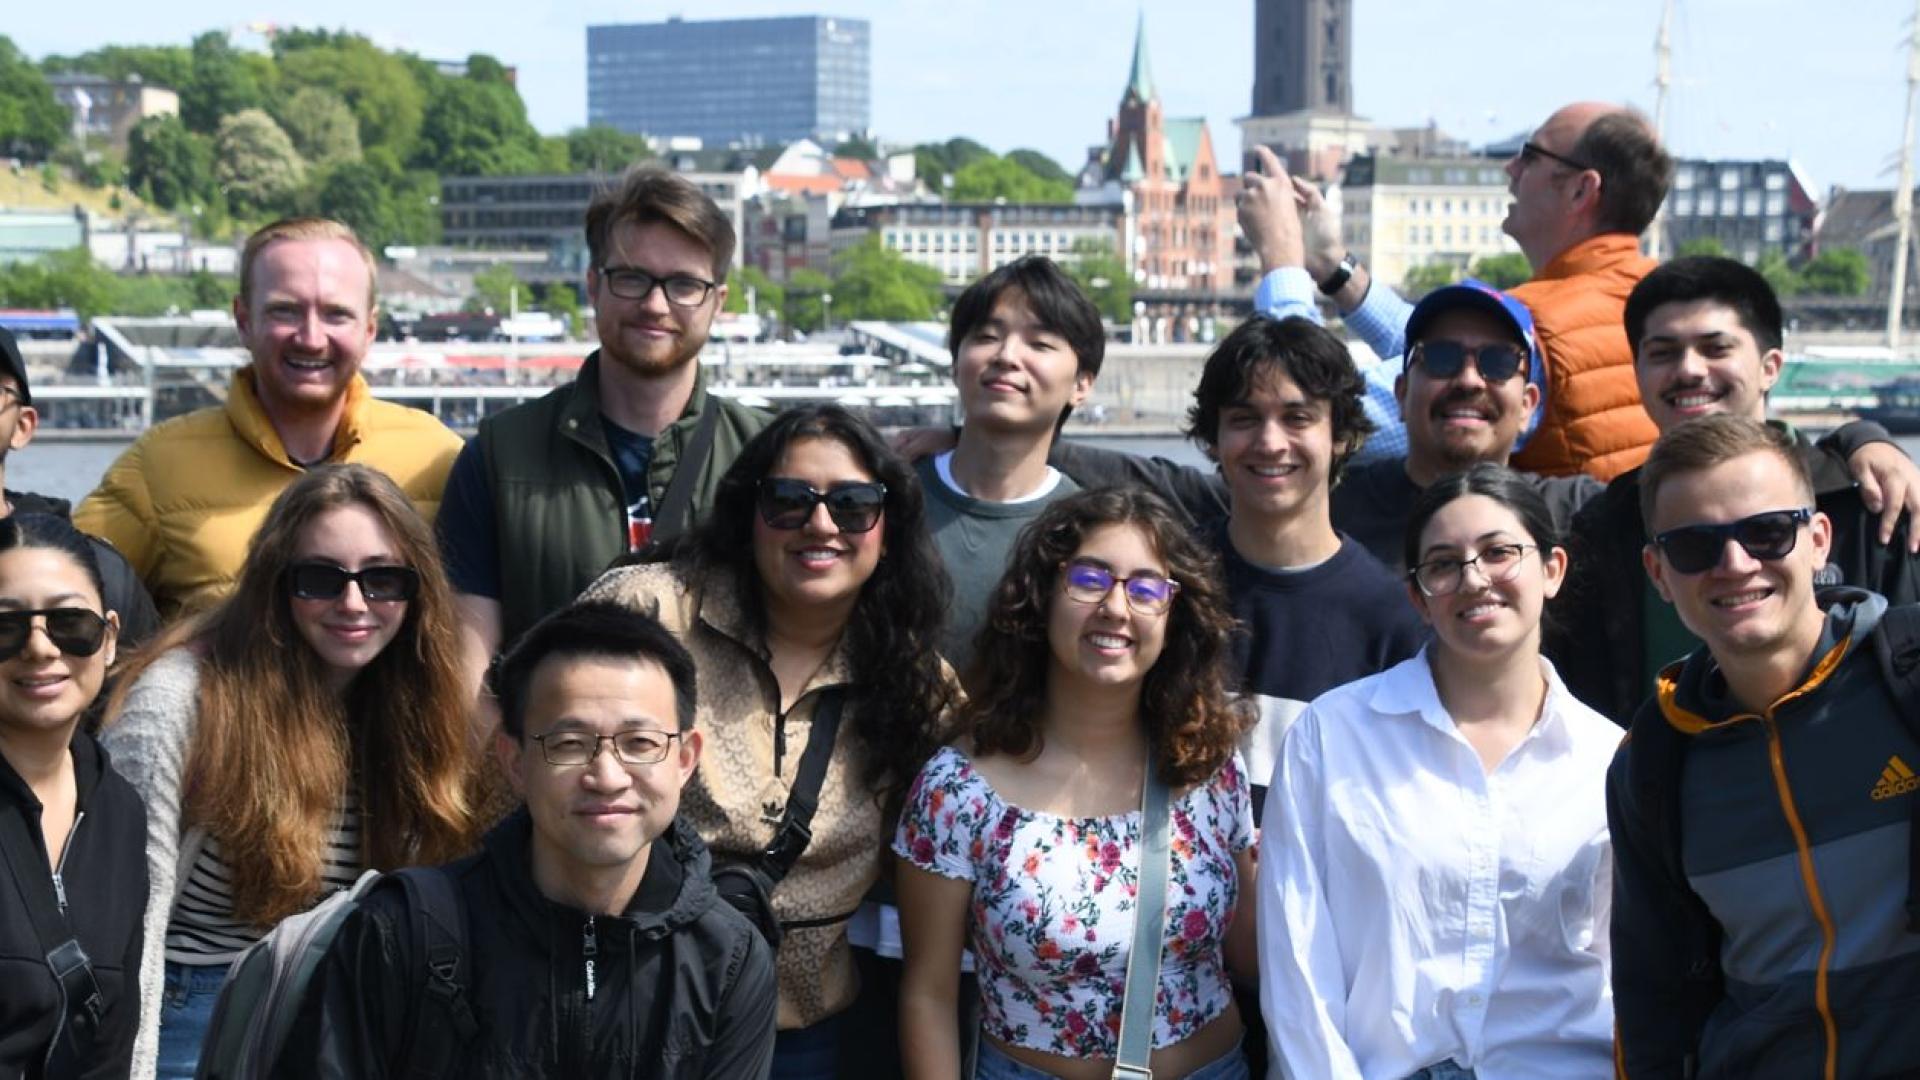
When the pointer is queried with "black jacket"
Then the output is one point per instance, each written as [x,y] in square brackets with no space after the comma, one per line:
[103,872]
[683,985]
[1593,632]
[125,594]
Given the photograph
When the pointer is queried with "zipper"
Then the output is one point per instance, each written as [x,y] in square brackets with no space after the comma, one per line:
[60,868]
[1816,900]
[589,951]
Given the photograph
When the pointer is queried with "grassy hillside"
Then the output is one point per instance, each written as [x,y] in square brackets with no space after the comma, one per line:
[23,188]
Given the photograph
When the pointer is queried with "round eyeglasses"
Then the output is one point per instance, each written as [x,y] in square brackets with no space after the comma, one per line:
[1444,575]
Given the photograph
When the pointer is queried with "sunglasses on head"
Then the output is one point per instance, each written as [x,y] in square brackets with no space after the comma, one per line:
[1695,549]
[1445,359]
[378,584]
[74,631]
[854,507]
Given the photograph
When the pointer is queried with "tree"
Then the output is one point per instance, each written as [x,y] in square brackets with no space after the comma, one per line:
[255,163]
[1773,266]
[804,310]
[499,290]
[1041,166]
[1703,246]
[603,148]
[170,66]
[1424,279]
[172,165]
[859,147]
[32,123]
[482,68]
[355,193]
[1837,271]
[388,95]
[933,162]
[1103,276]
[477,129]
[562,302]
[321,126]
[989,178]
[766,294]
[223,83]
[874,283]
[1503,271]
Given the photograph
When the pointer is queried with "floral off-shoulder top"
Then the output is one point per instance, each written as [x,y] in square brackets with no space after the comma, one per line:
[1053,904]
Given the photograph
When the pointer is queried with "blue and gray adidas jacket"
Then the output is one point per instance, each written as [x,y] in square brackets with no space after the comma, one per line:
[1780,948]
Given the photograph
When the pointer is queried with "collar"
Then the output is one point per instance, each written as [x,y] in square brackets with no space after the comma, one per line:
[1408,689]
[89,764]
[580,415]
[1589,255]
[675,890]
[1692,692]
[718,605]
[250,422]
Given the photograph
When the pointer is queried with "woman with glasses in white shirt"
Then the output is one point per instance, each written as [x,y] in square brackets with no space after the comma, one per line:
[1435,867]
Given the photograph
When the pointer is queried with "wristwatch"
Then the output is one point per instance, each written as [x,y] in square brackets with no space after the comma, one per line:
[1340,274]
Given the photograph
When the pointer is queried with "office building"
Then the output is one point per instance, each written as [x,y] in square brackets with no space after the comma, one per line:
[1751,207]
[965,240]
[733,82]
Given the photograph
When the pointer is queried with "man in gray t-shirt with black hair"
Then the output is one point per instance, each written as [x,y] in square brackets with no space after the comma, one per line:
[1026,346]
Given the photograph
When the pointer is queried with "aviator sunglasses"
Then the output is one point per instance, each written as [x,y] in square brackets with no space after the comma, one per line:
[1695,549]
[1445,359]
[786,503]
[74,631]
[378,584]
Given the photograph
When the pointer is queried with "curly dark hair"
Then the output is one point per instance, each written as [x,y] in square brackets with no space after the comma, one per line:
[901,697]
[1192,719]
[1317,361]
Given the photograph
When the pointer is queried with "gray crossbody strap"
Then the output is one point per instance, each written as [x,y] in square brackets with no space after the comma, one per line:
[1149,924]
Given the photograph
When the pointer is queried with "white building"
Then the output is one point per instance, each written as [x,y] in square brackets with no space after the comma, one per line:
[1402,213]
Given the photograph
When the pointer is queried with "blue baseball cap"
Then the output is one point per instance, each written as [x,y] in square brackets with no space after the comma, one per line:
[1477,295]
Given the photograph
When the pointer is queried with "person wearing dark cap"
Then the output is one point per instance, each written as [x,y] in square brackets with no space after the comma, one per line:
[18,420]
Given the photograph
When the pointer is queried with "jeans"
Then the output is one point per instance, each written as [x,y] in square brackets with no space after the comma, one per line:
[808,1053]
[1445,1070]
[993,1064]
[186,1008]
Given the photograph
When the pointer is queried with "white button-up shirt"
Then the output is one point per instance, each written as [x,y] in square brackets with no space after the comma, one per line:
[1415,908]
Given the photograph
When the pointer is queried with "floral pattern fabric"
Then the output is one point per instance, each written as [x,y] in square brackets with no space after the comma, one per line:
[1051,919]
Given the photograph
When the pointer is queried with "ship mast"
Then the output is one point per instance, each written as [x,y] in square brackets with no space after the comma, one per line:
[1903,192]
[1662,79]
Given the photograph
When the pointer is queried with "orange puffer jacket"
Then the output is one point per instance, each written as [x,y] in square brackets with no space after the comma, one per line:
[1593,421]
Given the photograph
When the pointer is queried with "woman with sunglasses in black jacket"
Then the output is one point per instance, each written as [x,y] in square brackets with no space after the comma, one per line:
[812,579]
[72,832]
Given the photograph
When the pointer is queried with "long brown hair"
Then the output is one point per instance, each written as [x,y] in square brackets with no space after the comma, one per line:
[1191,719]
[274,747]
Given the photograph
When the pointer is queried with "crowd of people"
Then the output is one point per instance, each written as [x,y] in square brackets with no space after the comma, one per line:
[1528,705]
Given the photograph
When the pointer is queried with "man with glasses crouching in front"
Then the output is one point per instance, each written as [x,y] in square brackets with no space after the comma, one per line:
[1762,806]
[596,945]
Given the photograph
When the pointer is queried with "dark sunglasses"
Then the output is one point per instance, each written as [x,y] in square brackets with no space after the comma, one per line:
[1695,549]
[788,504]
[1445,359]
[378,584]
[1533,151]
[74,631]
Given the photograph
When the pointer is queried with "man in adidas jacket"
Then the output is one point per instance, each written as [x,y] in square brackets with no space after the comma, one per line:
[1762,805]
[596,944]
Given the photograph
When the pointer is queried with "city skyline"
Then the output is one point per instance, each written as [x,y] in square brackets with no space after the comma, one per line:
[1749,80]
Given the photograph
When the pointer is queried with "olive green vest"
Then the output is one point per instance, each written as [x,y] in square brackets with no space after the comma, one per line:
[559,514]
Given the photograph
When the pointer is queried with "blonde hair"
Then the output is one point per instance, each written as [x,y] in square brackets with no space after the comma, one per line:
[304,228]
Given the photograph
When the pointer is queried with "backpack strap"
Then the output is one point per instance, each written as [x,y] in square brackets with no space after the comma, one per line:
[1896,645]
[674,513]
[82,1004]
[443,1024]
[790,840]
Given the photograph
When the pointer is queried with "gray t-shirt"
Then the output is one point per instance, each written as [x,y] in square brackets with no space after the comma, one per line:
[974,538]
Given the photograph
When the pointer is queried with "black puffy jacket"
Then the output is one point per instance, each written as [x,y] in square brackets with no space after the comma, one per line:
[683,988]
[103,873]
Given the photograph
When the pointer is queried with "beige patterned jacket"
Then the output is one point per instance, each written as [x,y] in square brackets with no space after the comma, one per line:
[737,797]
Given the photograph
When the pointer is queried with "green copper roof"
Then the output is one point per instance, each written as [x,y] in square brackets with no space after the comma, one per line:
[1133,170]
[1183,144]
[1140,84]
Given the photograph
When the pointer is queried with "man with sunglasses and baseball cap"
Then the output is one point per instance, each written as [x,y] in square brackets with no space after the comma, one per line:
[123,591]
[1707,334]
[1762,807]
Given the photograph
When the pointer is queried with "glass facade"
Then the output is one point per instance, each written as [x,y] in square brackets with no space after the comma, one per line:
[751,82]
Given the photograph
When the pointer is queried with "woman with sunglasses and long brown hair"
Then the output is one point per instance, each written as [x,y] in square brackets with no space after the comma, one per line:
[813,579]
[1107,640]
[72,832]
[309,727]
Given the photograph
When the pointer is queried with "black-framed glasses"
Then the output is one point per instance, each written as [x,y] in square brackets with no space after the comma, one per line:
[1533,151]
[1496,362]
[74,631]
[636,746]
[1147,593]
[855,507]
[1443,576]
[378,584]
[1695,549]
[633,283]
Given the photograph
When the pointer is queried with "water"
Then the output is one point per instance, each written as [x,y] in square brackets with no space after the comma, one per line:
[68,470]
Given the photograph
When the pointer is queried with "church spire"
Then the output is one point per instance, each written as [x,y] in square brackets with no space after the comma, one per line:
[1140,84]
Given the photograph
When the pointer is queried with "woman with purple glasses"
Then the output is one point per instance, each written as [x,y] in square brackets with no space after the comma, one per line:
[72,833]
[1108,644]
[812,581]
[324,695]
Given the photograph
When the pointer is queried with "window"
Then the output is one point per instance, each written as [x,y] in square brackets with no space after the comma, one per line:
[1683,178]
[1750,204]
[1776,203]
[1729,181]
[1683,206]
[1776,181]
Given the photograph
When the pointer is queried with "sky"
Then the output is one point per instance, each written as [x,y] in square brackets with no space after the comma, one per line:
[1820,83]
